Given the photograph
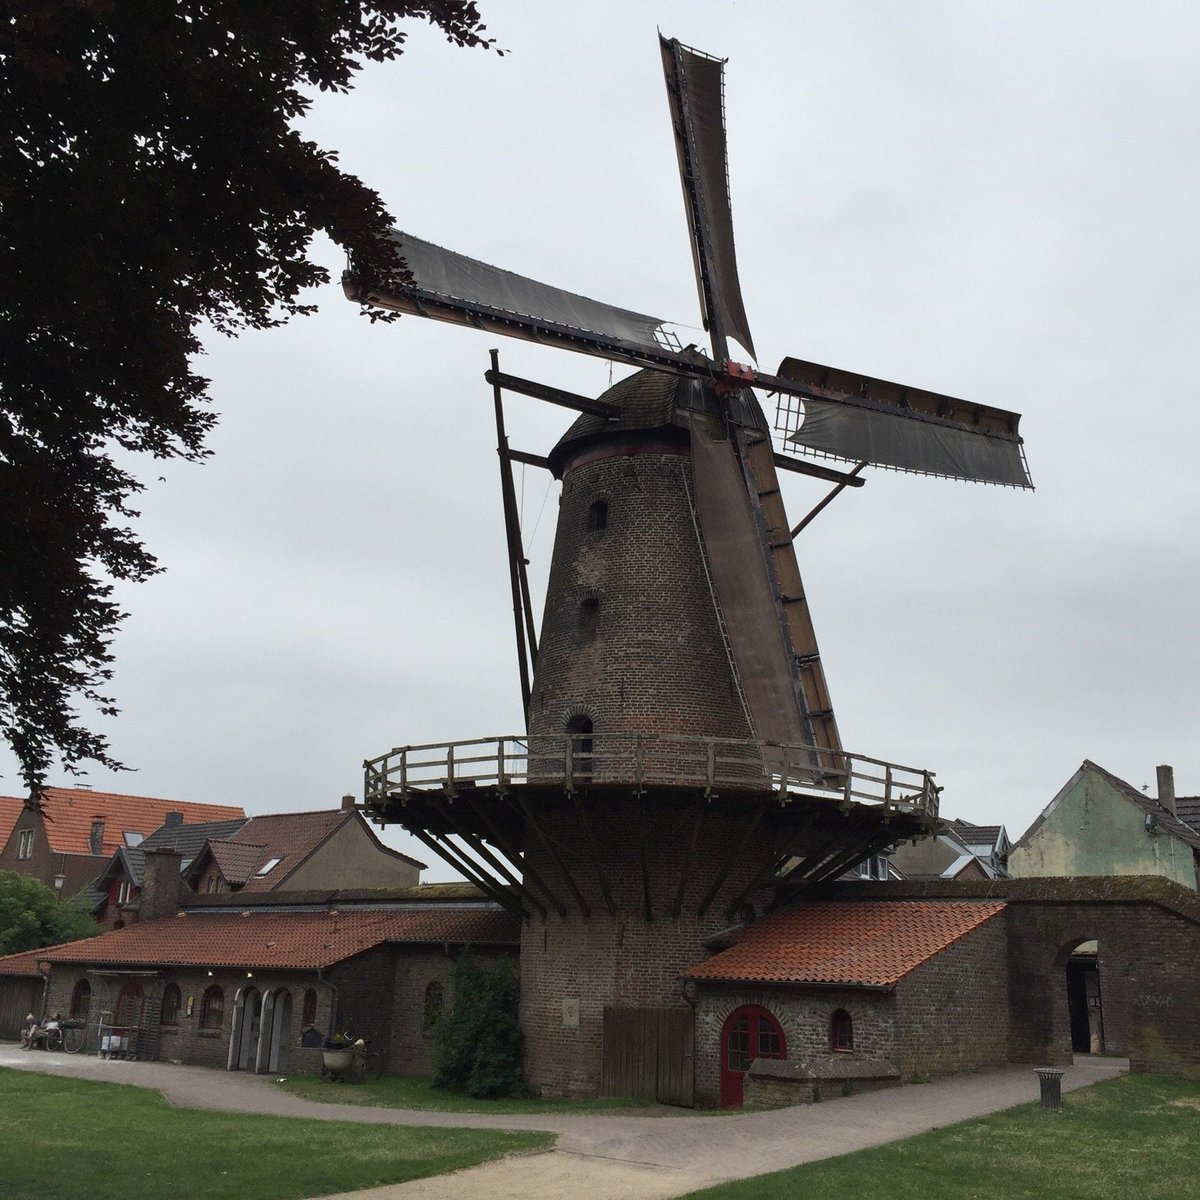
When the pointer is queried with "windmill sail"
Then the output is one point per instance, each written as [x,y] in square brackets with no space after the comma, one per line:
[861,419]
[448,286]
[696,91]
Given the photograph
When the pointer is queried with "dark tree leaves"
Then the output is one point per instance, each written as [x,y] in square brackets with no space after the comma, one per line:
[150,180]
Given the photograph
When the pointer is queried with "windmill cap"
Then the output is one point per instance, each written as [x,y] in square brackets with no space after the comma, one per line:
[648,400]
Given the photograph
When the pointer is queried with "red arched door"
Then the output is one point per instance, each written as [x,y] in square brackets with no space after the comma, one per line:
[749,1033]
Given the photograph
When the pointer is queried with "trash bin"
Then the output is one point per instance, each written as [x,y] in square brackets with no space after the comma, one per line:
[1051,1081]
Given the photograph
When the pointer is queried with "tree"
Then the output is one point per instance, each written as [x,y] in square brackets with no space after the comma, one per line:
[32,916]
[151,180]
[479,1044]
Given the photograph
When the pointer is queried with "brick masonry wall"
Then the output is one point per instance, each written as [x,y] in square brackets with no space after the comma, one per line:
[412,1043]
[44,863]
[656,660]
[804,1014]
[185,1041]
[952,1011]
[1149,983]
[626,960]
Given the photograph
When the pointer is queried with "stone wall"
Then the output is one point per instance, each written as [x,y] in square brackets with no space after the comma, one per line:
[572,968]
[952,1011]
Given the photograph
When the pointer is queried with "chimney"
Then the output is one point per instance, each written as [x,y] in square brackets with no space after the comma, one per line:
[347,803]
[173,820]
[161,884]
[1166,789]
[96,837]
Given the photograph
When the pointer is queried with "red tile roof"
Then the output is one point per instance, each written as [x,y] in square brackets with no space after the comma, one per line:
[69,813]
[236,862]
[25,963]
[872,943]
[10,810]
[296,940]
[290,837]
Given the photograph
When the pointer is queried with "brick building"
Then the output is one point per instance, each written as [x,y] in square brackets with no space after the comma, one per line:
[68,838]
[257,981]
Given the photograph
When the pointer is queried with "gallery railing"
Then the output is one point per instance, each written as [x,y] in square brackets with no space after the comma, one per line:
[646,760]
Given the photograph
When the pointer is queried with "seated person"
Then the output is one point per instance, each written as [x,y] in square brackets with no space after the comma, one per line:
[28,1030]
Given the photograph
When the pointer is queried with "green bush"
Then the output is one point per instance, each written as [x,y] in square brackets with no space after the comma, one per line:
[479,1043]
[32,916]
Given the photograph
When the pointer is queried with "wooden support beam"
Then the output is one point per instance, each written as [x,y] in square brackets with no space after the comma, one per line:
[730,859]
[688,858]
[772,872]
[548,846]
[849,481]
[843,478]
[530,460]
[460,863]
[480,850]
[514,855]
[541,391]
[593,846]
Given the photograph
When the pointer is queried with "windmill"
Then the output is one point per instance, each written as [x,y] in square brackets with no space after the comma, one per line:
[681,749]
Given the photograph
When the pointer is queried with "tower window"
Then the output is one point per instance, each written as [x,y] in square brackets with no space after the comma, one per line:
[580,730]
[597,518]
[841,1031]
[589,615]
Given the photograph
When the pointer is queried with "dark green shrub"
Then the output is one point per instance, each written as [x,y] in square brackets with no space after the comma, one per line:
[479,1042]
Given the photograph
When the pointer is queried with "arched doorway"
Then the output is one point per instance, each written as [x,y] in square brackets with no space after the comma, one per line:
[1083,999]
[749,1032]
[248,1018]
[281,1024]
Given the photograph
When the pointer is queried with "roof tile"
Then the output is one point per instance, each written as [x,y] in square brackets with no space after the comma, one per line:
[868,943]
[69,813]
[284,940]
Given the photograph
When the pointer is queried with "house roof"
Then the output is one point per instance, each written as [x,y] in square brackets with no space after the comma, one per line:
[282,940]
[10,810]
[979,835]
[69,813]
[25,963]
[1188,808]
[1147,803]
[864,943]
[237,860]
[289,838]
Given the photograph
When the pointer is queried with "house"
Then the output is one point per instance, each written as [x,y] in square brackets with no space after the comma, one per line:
[989,844]
[945,855]
[807,993]
[115,893]
[69,837]
[1098,824]
[255,981]
[300,851]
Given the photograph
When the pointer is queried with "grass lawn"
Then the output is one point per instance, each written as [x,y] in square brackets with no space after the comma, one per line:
[73,1139]
[1134,1138]
[408,1091]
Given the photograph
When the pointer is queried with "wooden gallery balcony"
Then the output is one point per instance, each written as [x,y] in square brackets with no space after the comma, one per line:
[475,803]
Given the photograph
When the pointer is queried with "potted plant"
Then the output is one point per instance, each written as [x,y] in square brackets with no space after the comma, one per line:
[337,1052]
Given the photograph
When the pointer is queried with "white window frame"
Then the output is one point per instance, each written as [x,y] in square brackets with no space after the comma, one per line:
[25,841]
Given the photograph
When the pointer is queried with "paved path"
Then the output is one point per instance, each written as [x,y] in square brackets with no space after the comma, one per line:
[602,1156]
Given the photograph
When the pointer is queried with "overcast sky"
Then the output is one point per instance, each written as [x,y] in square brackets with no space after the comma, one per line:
[998,201]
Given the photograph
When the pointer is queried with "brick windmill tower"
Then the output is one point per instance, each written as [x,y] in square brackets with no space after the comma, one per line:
[681,753]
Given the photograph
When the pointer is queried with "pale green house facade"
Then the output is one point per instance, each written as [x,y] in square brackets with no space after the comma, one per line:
[1101,825]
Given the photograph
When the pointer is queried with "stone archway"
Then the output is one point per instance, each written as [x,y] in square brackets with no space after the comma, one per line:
[246,1027]
[280,1030]
[1085,1013]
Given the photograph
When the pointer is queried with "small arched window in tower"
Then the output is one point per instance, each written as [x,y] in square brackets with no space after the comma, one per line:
[579,729]
[841,1031]
[597,518]
[589,616]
